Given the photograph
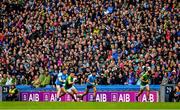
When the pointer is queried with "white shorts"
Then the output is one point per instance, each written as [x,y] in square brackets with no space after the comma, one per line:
[58,87]
[70,89]
[144,87]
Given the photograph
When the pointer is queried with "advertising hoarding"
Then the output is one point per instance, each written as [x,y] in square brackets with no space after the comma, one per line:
[120,96]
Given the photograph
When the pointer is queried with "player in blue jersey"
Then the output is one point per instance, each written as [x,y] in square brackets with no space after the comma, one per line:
[91,84]
[60,82]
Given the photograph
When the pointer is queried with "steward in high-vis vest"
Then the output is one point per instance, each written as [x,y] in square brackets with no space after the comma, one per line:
[13,94]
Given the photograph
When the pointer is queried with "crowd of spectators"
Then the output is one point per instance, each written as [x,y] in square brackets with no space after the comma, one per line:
[116,38]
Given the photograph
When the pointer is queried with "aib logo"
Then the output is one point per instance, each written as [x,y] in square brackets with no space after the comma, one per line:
[25,97]
[114,97]
[46,97]
[90,97]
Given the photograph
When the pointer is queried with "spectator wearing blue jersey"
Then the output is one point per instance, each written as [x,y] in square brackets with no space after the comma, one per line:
[60,81]
[91,84]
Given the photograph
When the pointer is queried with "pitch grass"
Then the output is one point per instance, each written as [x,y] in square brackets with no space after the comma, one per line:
[87,106]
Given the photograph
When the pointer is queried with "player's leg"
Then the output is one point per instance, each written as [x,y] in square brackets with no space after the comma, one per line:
[140,92]
[63,92]
[86,92]
[147,92]
[94,94]
[74,91]
[71,93]
[58,92]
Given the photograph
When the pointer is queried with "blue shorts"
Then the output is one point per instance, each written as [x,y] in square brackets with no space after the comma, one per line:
[178,93]
[59,86]
[90,86]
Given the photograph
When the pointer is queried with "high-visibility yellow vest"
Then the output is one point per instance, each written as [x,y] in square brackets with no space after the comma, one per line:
[12,91]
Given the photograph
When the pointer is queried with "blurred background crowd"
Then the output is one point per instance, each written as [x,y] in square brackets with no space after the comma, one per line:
[118,39]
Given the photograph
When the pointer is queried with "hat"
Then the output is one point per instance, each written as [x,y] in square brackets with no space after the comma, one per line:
[148,68]
[18,76]
[174,71]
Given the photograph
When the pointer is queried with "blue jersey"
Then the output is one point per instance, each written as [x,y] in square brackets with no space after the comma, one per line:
[62,77]
[91,79]
[178,93]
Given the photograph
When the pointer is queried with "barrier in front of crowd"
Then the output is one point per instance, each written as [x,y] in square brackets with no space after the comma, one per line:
[106,93]
[108,96]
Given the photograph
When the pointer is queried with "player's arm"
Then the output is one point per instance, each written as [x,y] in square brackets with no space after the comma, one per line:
[88,80]
[142,80]
[63,80]
[60,79]
[75,79]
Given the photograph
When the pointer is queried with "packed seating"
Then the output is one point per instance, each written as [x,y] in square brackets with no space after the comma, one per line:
[118,39]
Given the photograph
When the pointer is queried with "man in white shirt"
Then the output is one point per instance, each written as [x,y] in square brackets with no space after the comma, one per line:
[9,80]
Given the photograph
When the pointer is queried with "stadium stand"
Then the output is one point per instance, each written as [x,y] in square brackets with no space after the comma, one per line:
[116,38]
